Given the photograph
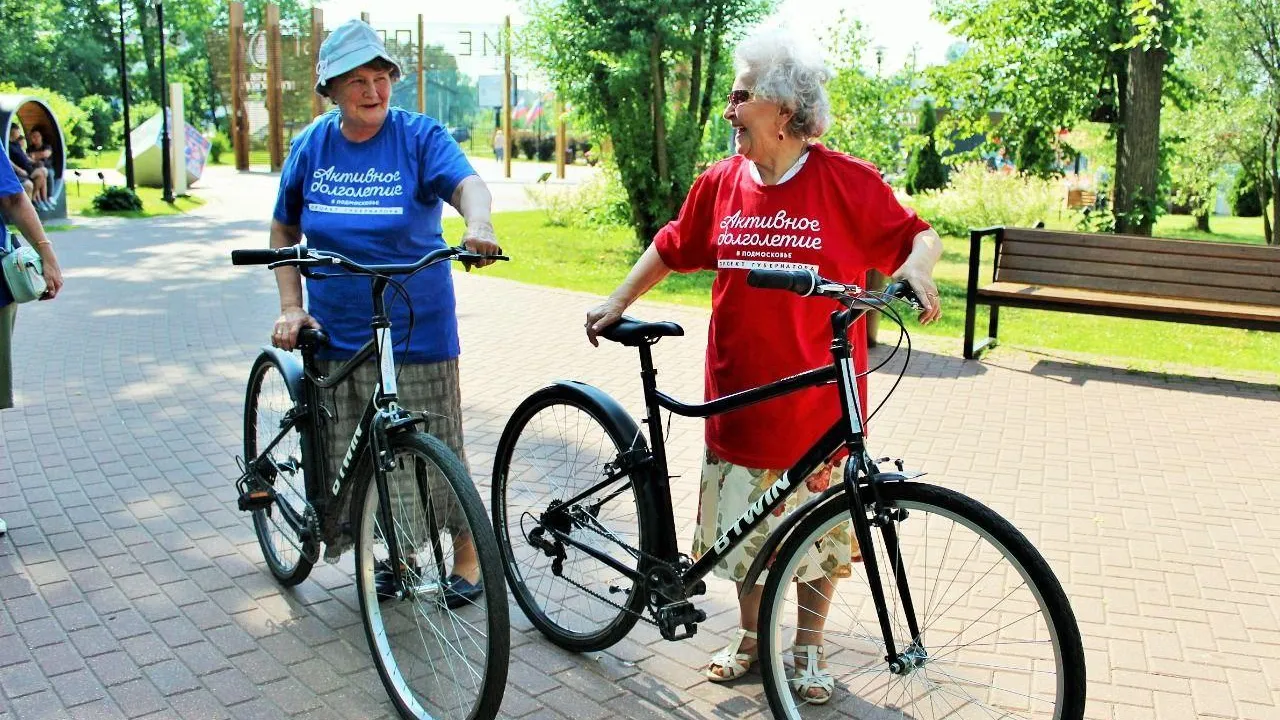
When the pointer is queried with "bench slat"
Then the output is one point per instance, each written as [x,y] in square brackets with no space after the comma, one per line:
[1143,259]
[1164,290]
[1210,284]
[1199,248]
[1094,298]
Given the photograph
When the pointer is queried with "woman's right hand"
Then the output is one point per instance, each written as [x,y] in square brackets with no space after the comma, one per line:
[291,320]
[602,316]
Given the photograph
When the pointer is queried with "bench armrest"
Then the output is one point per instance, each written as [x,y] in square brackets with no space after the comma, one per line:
[975,252]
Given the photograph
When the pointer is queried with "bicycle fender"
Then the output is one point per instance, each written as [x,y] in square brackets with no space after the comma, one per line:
[290,366]
[782,533]
[593,395]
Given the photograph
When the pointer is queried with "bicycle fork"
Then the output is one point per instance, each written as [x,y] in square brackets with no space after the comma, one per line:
[914,655]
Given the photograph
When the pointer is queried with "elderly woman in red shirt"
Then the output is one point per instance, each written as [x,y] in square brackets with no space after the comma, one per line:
[782,201]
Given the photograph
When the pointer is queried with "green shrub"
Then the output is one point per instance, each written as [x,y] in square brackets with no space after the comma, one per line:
[598,203]
[117,198]
[981,198]
[1244,196]
[218,144]
[99,115]
[925,170]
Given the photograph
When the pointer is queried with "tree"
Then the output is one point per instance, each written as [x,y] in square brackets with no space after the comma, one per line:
[646,75]
[926,171]
[867,111]
[1050,64]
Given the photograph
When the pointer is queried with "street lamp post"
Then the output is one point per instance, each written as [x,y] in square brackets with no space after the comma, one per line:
[165,169]
[124,95]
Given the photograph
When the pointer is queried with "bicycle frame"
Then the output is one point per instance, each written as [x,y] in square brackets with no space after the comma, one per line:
[847,433]
[381,416]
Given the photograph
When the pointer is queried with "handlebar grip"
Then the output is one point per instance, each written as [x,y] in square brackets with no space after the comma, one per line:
[902,289]
[262,256]
[801,282]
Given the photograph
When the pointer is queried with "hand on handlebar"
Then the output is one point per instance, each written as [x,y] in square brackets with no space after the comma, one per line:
[285,333]
[926,292]
[602,316]
[479,238]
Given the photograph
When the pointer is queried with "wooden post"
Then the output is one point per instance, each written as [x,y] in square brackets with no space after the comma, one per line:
[317,37]
[560,137]
[876,280]
[275,100]
[239,118]
[506,98]
[422,66]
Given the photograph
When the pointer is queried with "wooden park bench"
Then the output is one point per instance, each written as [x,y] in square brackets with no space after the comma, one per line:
[1187,281]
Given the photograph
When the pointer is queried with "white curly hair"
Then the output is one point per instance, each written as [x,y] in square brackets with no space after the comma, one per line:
[779,66]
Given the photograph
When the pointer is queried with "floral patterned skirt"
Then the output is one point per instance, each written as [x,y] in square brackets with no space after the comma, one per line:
[727,491]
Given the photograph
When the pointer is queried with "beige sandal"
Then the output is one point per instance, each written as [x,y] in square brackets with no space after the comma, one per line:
[734,664]
[812,677]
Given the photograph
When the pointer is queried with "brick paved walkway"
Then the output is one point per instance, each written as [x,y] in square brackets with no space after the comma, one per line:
[131,588]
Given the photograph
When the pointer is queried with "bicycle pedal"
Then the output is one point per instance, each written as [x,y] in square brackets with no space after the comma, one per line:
[254,500]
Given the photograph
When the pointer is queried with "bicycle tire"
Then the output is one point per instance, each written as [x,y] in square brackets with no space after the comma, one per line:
[268,398]
[540,460]
[415,673]
[856,653]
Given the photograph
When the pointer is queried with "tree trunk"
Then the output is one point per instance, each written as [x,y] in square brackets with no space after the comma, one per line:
[1136,188]
[716,34]
[659,117]
[145,12]
[695,75]
[1202,220]
[1122,116]
[1269,228]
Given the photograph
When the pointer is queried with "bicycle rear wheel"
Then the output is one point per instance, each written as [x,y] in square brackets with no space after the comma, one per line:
[440,655]
[268,400]
[997,636]
[558,444]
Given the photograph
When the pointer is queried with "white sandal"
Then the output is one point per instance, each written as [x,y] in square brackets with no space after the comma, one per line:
[735,664]
[811,677]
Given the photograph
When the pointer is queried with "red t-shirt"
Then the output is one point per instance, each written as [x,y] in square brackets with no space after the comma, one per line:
[835,216]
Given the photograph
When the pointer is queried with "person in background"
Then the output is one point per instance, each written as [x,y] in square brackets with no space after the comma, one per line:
[783,201]
[25,168]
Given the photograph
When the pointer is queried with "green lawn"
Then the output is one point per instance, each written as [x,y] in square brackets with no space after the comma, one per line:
[596,261]
[82,204]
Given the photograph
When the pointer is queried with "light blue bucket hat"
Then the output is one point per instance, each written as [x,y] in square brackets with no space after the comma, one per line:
[350,45]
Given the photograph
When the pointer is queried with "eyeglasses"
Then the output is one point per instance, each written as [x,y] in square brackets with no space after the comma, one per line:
[737,97]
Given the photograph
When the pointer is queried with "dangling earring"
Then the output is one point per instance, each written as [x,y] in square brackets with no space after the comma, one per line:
[781,137]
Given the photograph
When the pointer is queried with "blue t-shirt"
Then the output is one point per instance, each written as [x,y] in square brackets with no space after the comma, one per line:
[377,202]
[9,185]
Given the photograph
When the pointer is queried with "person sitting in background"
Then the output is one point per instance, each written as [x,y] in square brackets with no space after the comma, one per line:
[26,169]
[38,150]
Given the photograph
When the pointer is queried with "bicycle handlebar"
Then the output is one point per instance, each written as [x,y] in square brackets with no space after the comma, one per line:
[302,255]
[807,283]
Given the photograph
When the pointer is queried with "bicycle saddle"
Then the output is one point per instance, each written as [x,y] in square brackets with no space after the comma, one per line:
[632,332]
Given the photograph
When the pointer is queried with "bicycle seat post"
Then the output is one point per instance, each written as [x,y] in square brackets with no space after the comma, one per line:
[658,485]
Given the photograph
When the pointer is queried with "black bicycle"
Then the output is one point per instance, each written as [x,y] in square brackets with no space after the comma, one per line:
[440,654]
[954,614]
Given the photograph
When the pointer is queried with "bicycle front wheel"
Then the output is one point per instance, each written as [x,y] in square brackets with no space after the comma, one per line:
[997,637]
[557,445]
[289,552]
[442,653]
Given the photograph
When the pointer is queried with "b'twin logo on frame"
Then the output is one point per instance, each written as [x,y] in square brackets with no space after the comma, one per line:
[346,461]
[755,510]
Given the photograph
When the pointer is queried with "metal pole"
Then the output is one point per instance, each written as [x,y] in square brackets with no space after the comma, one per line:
[124,96]
[506,99]
[165,169]
[422,66]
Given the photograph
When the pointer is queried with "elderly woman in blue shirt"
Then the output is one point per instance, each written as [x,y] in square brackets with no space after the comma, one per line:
[369,181]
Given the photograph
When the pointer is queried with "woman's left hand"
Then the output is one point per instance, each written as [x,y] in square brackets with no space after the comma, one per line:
[479,238]
[52,274]
[925,289]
